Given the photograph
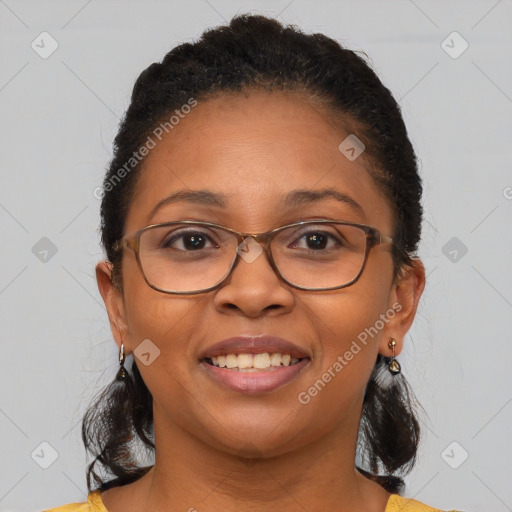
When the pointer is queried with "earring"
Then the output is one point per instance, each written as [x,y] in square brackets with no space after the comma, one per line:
[394,365]
[121,374]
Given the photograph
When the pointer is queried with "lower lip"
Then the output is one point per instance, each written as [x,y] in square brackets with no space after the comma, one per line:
[255,382]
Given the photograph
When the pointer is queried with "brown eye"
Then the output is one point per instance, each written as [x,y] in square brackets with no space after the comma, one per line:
[316,241]
[188,241]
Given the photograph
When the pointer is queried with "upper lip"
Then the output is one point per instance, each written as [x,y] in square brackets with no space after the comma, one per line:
[254,345]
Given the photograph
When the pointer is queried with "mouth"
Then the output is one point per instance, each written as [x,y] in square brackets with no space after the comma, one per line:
[248,362]
[254,364]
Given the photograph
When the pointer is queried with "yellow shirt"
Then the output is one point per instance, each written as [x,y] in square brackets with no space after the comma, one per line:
[395,504]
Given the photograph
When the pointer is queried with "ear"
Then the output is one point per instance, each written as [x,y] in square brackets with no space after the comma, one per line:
[114,303]
[403,300]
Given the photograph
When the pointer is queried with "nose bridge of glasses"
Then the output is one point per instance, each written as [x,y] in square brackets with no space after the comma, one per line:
[250,248]
[255,243]
[260,238]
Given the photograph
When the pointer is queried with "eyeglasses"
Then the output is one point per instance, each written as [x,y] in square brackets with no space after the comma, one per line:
[188,257]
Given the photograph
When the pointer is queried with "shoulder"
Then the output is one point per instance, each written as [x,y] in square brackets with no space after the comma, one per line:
[397,503]
[93,504]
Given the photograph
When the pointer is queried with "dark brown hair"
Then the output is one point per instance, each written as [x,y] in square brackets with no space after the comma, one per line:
[259,52]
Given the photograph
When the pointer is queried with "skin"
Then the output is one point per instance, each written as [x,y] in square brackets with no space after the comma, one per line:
[256,147]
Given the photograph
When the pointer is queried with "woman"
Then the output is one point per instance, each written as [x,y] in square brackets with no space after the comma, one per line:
[264,372]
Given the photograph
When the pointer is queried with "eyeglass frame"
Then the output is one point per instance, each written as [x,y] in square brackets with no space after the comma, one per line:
[373,238]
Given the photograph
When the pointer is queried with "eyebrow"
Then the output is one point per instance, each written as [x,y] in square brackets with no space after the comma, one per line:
[293,199]
[304,197]
[204,197]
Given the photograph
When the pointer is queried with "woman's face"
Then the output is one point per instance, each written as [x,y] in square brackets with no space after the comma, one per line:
[255,149]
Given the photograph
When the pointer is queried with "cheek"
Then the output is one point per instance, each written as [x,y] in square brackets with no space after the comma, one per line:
[344,319]
[169,324]
[349,327]
[151,314]
[345,359]
[161,325]
[348,346]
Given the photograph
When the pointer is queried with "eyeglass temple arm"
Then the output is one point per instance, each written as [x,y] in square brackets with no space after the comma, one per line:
[131,243]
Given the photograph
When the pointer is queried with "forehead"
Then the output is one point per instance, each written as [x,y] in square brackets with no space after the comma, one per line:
[254,149]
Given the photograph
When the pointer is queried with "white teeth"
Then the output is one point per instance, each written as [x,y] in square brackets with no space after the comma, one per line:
[231,361]
[245,360]
[254,361]
[261,360]
[275,359]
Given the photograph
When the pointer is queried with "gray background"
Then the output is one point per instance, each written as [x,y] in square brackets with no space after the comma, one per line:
[59,117]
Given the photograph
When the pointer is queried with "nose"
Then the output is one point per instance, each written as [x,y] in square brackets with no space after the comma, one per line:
[253,286]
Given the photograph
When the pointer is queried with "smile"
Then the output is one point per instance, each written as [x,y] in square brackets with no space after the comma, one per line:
[253,362]
[254,373]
